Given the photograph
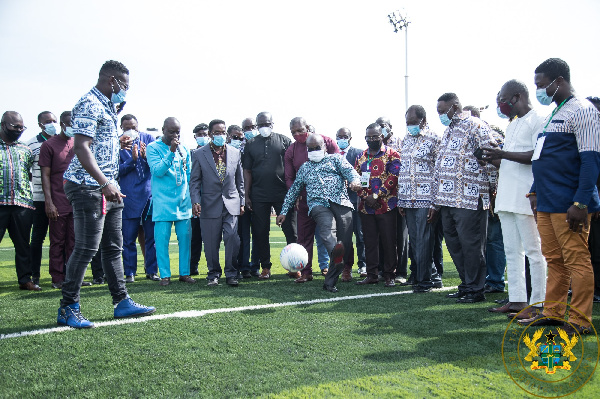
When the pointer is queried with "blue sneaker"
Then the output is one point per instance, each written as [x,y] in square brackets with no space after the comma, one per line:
[128,308]
[72,317]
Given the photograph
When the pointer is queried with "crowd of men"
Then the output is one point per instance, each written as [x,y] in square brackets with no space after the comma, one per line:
[525,202]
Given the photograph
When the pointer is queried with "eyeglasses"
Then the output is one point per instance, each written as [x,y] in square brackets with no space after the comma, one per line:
[372,138]
[19,128]
[237,138]
[122,85]
[318,148]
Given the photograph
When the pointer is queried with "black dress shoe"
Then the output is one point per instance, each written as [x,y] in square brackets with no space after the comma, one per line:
[254,273]
[194,273]
[502,301]
[409,281]
[596,298]
[457,294]
[491,290]
[246,274]
[438,284]
[330,288]
[471,297]
[232,281]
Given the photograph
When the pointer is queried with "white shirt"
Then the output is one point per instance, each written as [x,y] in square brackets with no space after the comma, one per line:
[515,179]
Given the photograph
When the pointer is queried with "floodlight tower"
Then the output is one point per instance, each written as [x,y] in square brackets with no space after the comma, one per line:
[399,21]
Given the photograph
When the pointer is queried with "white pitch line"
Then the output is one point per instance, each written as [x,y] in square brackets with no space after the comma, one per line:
[200,313]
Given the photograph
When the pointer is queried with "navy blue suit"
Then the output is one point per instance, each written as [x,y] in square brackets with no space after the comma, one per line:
[134,179]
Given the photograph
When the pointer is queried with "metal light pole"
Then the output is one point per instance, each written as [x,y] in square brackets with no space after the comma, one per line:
[399,21]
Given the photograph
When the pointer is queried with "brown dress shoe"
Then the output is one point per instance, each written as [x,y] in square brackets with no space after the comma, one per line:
[29,286]
[265,274]
[527,314]
[165,281]
[186,279]
[324,271]
[304,278]
[346,276]
[368,280]
[294,275]
[509,307]
[389,282]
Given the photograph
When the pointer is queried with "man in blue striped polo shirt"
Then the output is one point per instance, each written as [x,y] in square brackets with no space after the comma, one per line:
[563,195]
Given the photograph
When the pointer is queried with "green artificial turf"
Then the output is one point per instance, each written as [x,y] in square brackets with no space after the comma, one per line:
[407,345]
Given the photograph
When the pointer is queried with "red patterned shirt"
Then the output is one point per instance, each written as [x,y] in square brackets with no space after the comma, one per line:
[383,181]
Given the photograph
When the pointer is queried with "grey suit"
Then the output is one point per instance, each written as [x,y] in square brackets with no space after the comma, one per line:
[220,203]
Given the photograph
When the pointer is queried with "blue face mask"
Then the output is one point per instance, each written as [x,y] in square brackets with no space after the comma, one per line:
[236,143]
[500,114]
[69,131]
[250,134]
[343,143]
[543,96]
[202,140]
[384,131]
[52,128]
[219,140]
[446,121]
[119,97]
[413,130]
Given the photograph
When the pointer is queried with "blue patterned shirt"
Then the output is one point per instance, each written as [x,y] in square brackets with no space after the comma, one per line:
[324,182]
[94,116]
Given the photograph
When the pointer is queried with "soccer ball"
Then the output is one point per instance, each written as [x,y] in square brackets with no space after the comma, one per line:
[293,257]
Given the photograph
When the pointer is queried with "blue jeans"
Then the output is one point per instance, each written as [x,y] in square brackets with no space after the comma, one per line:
[322,253]
[495,258]
[94,231]
[162,235]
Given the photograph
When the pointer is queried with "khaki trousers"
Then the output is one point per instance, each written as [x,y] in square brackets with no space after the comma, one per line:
[569,264]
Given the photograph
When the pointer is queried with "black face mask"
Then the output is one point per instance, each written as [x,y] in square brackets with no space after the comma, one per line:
[12,135]
[374,145]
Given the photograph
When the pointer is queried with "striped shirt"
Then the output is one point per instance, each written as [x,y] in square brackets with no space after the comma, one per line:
[460,180]
[567,169]
[15,163]
[417,163]
[36,174]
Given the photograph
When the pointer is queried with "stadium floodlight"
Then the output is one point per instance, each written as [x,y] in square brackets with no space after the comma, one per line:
[399,21]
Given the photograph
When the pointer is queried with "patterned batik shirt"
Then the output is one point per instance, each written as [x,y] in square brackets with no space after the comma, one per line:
[94,116]
[16,160]
[324,181]
[384,168]
[459,179]
[417,164]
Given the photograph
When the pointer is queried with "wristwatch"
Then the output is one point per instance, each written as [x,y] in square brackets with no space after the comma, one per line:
[580,205]
[375,196]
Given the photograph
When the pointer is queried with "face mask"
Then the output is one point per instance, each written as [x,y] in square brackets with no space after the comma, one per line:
[445,120]
[301,138]
[500,113]
[265,131]
[543,96]
[119,97]
[413,130]
[250,134]
[219,140]
[374,145]
[202,140]
[69,131]
[343,143]
[236,143]
[131,133]
[385,131]
[12,135]
[316,156]
[52,128]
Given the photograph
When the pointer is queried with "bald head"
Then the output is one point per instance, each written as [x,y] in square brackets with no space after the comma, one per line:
[314,140]
[343,133]
[297,121]
[171,130]
[264,118]
[11,126]
[248,124]
[11,116]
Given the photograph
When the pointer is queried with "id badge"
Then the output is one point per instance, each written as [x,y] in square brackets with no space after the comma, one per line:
[364,179]
[538,148]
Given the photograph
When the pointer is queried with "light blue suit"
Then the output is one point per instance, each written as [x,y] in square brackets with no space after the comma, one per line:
[171,203]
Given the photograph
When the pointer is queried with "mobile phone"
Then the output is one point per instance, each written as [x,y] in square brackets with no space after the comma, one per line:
[478,153]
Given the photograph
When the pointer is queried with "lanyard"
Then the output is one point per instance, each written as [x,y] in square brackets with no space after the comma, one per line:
[369,159]
[554,113]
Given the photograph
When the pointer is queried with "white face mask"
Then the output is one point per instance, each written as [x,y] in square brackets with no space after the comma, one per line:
[265,131]
[316,156]
[131,133]
[52,128]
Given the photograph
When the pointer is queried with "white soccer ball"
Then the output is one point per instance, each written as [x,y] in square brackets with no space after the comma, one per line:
[293,257]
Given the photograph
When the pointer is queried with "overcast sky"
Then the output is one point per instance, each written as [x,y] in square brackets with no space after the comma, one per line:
[337,63]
